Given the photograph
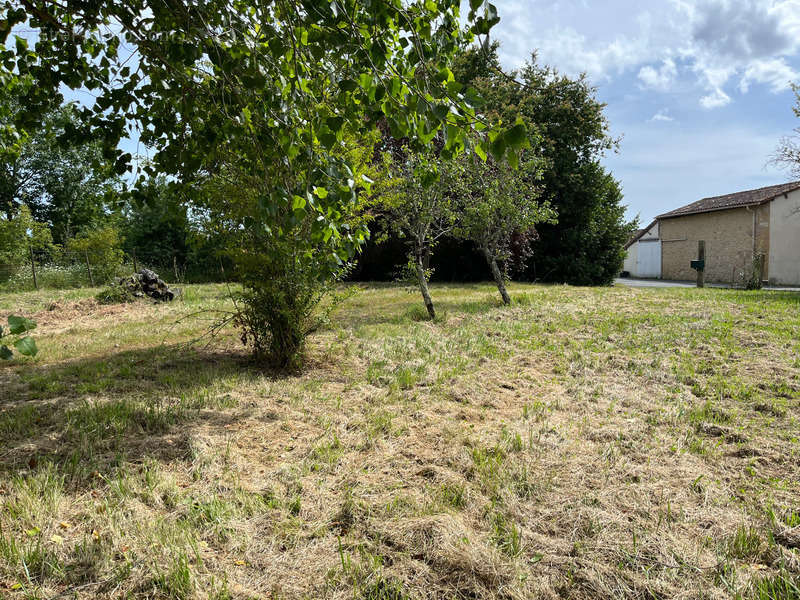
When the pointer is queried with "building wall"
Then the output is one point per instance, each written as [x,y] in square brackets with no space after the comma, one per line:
[784,240]
[652,233]
[729,245]
[631,264]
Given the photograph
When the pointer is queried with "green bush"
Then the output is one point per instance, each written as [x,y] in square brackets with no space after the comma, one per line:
[18,236]
[289,258]
[115,294]
[102,248]
[283,301]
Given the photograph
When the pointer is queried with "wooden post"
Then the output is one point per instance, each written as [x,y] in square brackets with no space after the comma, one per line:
[135,267]
[175,267]
[701,255]
[33,269]
[88,266]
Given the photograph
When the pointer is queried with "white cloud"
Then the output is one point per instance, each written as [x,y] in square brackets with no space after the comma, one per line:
[776,73]
[748,39]
[574,53]
[716,99]
[576,37]
[709,45]
[739,30]
[659,79]
[661,116]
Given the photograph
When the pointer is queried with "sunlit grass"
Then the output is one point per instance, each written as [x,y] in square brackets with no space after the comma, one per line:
[587,443]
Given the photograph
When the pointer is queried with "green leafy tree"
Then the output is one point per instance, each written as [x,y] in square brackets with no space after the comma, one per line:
[570,132]
[276,84]
[67,184]
[499,202]
[169,227]
[157,226]
[420,206]
[63,180]
[14,140]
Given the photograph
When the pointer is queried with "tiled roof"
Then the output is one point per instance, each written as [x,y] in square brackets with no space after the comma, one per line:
[737,200]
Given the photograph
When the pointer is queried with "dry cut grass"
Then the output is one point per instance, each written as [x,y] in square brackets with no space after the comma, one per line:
[583,443]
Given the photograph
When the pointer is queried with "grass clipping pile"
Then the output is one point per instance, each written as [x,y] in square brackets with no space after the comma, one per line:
[145,283]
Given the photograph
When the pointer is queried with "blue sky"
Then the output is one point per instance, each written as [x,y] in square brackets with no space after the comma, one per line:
[697,89]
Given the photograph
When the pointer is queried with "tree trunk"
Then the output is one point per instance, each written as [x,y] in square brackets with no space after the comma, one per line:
[498,277]
[423,286]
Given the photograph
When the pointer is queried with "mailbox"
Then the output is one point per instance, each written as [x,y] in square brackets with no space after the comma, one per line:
[699,265]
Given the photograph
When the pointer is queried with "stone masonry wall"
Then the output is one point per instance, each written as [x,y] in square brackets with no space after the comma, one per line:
[729,244]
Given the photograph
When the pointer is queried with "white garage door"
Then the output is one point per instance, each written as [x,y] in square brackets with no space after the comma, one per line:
[648,263]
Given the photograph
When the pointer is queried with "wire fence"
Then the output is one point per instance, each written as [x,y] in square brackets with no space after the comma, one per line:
[74,269]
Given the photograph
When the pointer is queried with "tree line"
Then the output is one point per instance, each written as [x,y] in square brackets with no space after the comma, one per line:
[286,137]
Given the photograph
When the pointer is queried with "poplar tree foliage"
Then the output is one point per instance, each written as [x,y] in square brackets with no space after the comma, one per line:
[15,335]
[272,85]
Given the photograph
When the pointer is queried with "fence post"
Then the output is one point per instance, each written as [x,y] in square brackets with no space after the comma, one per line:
[88,266]
[135,268]
[33,269]
[701,256]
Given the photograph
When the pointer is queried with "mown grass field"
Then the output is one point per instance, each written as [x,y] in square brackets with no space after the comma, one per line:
[583,443]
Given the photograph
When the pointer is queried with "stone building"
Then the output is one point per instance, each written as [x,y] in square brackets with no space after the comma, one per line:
[737,229]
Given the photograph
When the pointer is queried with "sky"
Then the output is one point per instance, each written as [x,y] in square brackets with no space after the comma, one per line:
[697,90]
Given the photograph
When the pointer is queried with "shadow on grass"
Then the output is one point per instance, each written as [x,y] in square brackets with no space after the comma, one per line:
[88,417]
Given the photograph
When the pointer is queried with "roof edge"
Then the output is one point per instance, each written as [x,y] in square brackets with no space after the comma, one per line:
[669,215]
[795,186]
[636,238]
